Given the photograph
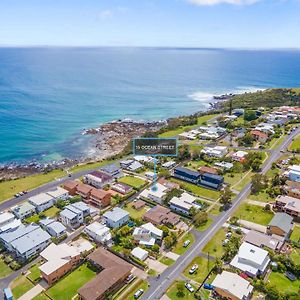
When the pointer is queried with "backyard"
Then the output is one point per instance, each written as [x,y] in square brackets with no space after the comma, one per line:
[68,286]
[133,181]
[198,190]
[295,236]
[214,246]
[134,213]
[283,283]
[35,273]
[5,270]
[51,212]
[253,213]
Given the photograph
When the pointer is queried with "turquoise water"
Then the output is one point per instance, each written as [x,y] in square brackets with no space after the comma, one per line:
[48,95]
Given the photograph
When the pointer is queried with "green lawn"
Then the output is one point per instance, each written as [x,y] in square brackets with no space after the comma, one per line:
[205,225]
[203,268]
[216,210]
[295,256]
[91,165]
[253,213]
[233,178]
[41,296]
[295,145]
[206,293]
[9,188]
[5,270]
[128,294]
[214,246]
[172,293]
[175,132]
[51,212]
[284,284]
[179,249]
[68,286]
[35,273]
[20,286]
[242,183]
[198,190]
[295,236]
[262,197]
[33,219]
[167,261]
[132,181]
[135,214]
[275,143]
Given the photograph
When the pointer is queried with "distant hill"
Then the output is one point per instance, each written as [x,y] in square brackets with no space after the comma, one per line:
[267,98]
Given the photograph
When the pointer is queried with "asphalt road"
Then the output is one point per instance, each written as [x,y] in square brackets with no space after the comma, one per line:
[159,287]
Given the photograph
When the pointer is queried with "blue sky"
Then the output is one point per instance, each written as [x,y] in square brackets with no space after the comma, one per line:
[179,23]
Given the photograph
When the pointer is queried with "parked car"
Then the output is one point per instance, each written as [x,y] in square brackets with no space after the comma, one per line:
[138,294]
[228,235]
[186,243]
[129,278]
[208,286]
[189,287]
[193,269]
[225,242]
[290,276]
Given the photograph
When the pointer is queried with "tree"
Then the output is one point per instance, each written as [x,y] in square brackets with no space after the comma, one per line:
[173,193]
[247,140]
[250,115]
[231,248]
[165,230]
[180,289]
[183,152]
[226,195]
[164,173]
[193,211]
[60,203]
[200,218]
[259,182]
[155,248]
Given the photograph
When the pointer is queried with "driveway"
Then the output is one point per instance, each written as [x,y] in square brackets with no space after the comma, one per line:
[32,293]
[171,255]
[156,265]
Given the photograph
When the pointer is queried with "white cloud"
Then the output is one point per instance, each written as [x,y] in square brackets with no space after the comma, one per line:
[215,2]
[106,13]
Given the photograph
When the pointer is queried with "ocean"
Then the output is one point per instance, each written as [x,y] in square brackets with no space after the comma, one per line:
[49,95]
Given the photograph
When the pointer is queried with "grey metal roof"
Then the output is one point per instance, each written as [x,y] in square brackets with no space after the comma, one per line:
[68,214]
[57,227]
[23,208]
[116,214]
[111,168]
[17,233]
[282,221]
[30,240]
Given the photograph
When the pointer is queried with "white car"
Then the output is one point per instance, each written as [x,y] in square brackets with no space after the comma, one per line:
[138,294]
[189,287]
[186,243]
[228,235]
[193,269]
[225,242]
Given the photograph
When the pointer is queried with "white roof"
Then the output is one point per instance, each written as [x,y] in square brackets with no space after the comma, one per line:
[40,199]
[11,225]
[159,192]
[143,158]
[139,253]
[294,168]
[240,154]
[168,164]
[57,256]
[234,284]
[185,201]
[150,174]
[154,230]
[116,214]
[6,217]
[98,228]
[58,192]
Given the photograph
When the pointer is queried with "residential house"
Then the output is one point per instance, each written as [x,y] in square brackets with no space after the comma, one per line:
[259,239]
[112,170]
[281,224]
[294,173]
[208,170]
[41,202]
[160,215]
[211,181]
[110,279]
[84,191]
[184,203]
[8,222]
[131,165]
[122,188]
[139,204]
[98,179]
[157,193]
[216,151]
[232,286]
[251,260]
[224,165]
[260,136]
[292,188]
[116,218]
[186,175]
[100,198]
[147,235]
[59,193]
[26,241]
[168,184]
[169,165]
[53,227]
[189,135]
[239,156]
[98,232]
[23,210]
[59,260]
[289,205]
[71,187]
[140,253]
[266,128]
[150,175]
